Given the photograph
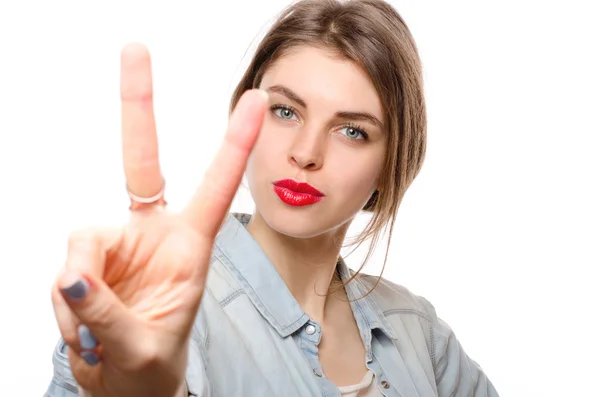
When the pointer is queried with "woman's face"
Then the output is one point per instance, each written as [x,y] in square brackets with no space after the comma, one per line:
[324,128]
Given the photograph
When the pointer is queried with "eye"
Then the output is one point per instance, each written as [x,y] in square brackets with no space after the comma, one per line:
[353,132]
[284,112]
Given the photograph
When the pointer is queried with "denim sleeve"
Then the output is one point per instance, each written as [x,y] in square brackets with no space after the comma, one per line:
[456,374]
[63,384]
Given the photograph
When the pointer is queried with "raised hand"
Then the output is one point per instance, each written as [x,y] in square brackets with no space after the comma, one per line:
[126,299]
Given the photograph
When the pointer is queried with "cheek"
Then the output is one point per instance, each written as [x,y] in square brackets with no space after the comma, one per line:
[357,178]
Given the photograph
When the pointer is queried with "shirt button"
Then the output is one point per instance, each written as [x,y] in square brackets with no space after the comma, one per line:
[385,384]
[317,373]
[310,329]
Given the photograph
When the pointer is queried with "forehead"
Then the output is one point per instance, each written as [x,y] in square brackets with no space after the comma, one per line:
[324,79]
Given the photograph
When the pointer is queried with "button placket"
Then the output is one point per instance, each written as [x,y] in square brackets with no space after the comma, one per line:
[312,334]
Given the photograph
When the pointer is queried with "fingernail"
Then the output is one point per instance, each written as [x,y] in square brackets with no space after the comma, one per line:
[243,107]
[86,339]
[264,93]
[90,358]
[78,290]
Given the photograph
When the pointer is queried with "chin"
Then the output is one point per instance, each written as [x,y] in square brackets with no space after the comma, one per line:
[300,222]
[293,225]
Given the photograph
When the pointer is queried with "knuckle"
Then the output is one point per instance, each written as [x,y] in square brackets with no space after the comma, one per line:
[64,321]
[68,331]
[85,251]
[217,186]
[146,355]
[83,237]
[54,295]
[150,353]
[99,314]
[82,374]
[69,335]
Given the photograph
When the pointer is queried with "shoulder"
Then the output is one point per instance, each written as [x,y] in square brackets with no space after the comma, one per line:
[455,372]
[405,311]
[393,298]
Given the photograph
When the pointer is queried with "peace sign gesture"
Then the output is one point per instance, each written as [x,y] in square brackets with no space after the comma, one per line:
[127,298]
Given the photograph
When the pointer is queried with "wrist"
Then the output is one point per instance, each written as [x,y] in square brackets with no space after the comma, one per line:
[83,393]
[181,392]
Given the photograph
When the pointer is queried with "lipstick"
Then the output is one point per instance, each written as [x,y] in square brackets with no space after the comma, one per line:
[297,194]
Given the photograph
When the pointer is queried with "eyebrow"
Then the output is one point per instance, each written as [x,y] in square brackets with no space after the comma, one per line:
[364,116]
[288,93]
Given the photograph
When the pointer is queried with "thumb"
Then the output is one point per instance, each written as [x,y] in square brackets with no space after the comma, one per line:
[108,320]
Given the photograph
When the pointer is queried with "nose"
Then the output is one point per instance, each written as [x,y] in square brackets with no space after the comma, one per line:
[307,151]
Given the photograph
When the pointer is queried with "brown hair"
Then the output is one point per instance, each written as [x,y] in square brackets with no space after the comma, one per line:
[373,35]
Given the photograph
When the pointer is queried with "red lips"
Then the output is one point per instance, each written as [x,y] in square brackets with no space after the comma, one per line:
[297,193]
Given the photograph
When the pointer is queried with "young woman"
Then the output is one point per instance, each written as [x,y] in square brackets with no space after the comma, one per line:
[328,121]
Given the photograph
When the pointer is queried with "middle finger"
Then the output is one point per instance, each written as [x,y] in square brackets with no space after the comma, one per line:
[140,142]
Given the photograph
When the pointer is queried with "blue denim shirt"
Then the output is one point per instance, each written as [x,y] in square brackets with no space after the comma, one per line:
[250,335]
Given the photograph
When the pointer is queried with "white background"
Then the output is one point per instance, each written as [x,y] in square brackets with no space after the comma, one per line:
[500,230]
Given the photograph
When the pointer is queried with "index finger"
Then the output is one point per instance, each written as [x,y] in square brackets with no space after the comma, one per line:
[213,198]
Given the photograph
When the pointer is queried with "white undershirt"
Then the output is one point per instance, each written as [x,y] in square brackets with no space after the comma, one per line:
[366,388]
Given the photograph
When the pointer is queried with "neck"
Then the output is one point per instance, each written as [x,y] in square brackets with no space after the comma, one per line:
[306,265]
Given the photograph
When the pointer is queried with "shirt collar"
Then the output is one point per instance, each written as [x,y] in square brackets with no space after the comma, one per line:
[362,302]
[258,278]
[261,282]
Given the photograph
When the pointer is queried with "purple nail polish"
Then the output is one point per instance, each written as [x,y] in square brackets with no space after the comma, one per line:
[86,339]
[90,358]
[78,290]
